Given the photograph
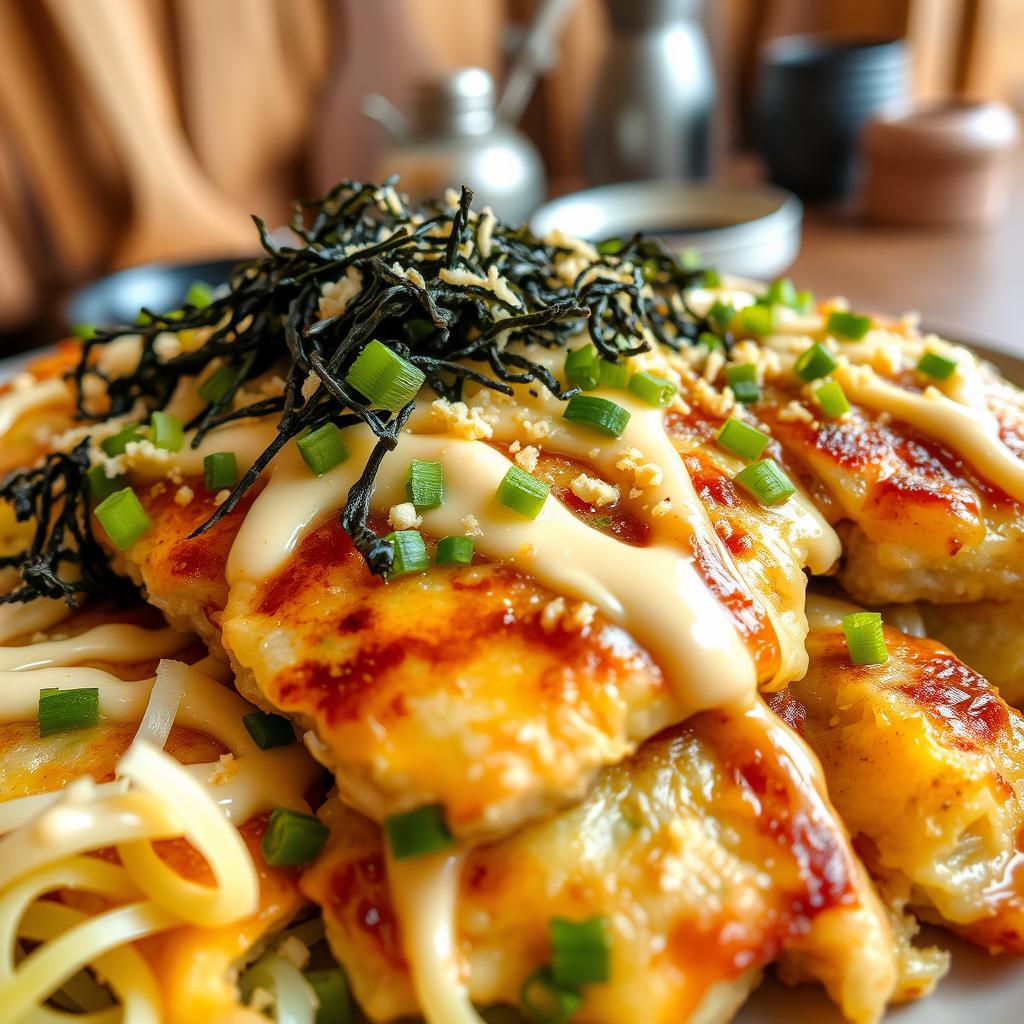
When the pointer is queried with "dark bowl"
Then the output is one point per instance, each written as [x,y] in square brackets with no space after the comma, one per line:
[117,298]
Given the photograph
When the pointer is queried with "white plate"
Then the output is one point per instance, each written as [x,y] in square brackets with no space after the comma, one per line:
[988,990]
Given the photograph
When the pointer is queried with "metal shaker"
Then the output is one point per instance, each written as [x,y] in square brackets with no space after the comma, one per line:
[651,116]
[456,138]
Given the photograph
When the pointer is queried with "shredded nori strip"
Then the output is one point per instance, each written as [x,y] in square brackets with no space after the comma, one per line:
[268,320]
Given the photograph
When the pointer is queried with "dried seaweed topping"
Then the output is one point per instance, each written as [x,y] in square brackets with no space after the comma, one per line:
[442,286]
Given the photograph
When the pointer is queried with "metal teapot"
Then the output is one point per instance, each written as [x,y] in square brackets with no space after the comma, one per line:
[455,137]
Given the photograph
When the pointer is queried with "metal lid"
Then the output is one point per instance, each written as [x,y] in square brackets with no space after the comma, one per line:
[460,103]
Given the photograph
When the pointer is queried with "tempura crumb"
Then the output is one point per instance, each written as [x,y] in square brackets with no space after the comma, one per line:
[593,490]
[527,458]
[404,517]
[183,495]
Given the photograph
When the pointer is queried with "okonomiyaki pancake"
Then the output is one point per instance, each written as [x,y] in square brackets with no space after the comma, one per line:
[987,635]
[925,764]
[708,854]
[78,838]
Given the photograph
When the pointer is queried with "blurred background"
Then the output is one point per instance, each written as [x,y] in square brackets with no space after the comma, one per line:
[865,147]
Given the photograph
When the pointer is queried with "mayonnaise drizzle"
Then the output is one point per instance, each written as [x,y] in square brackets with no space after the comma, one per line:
[19,401]
[654,592]
[132,643]
[969,430]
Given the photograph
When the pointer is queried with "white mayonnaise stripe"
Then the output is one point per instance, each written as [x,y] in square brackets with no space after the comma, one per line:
[26,619]
[654,592]
[967,430]
[112,642]
[423,892]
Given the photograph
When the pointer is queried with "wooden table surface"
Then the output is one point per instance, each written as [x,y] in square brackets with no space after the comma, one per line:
[967,283]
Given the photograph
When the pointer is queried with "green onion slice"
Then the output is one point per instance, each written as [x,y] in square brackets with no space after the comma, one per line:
[612,375]
[814,363]
[409,553]
[581,368]
[292,838]
[221,469]
[721,314]
[102,486]
[597,414]
[83,332]
[652,389]
[782,292]
[67,710]
[454,551]
[709,341]
[331,988]
[386,379]
[417,832]
[832,399]
[268,730]
[847,325]
[166,431]
[766,482]
[649,271]
[547,1002]
[218,384]
[936,366]
[424,484]
[742,380]
[758,320]
[580,951]
[804,301]
[522,492]
[610,246]
[741,439]
[323,449]
[711,278]
[199,295]
[865,639]
[123,518]
[118,444]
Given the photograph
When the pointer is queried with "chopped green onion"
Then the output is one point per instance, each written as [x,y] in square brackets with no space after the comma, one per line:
[268,730]
[766,481]
[546,1001]
[292,838]
[847,325]
[424,484]
[934,365]
[522,492]
[711,279]
[580,952]
[454,551]
[741,439]
[814,363]
[804,301]
[83,332]
[652,389]
[166,431]
[67,710]
[782,292]
[612,375]
[709,341]
[756,319]
[865,639]
[597,414]
[102,486]
[649,271]
[199,295]
[142,318]
[118,444]
[417,832]
[218,384]
[323,449]
[409,553]
[610,246]
[689,259]
[221,469]
[386,379]
[722,314]
[832,399]
[581,368]
[742,380]
[122,516]
[331,988]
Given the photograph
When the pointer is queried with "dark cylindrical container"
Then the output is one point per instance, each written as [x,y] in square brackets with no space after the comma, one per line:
[814,95]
